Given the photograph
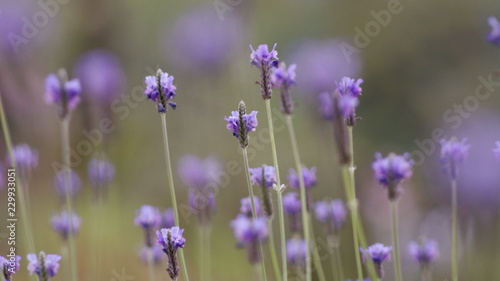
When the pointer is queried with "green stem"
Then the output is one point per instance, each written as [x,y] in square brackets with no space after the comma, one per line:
[395,240]
[334,251]
[67,183]
[454,233]
[172,189]
[303,199]
[204,255]
[272,249]
[426,274]
[151,265]
[315,254]
[278,182]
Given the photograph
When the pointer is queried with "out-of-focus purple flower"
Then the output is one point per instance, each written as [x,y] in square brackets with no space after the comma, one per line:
[101,172]
[263,57]
[378,253]
[296,251]
[240,123]
[332,213]
[9,266]
[201,203]
[494,35]
[147,217]
[326,105]
[171,240]
[309,176]
[246,206]
[496,150]
[269,176]
[291,203]
[26,159]
[156,251]
[283,76]
[390,171]
[65,224]
[453,153]
[197,172]
[424,252]
[101,75]
[249,233]
[200,41]
[75,184]
[167,218]
[63,93]
[349,90]
[161,90]
[45,266]
[349,87]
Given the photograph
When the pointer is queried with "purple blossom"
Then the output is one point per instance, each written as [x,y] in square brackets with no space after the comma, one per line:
[167,218]
[332,213]
[390,171]
[496,150]
[248,230]
[26,159]
[64,224]
[101,172]
[326,105]
[296,251]
[75,184]
[309,176]
[246,206]
[349,90]
[424,253]
[349,87]
[263,57]
[291,203]
[283,76]
[269,176]
[171,238]
[494,35]
[453,153]
[157,251]
[9,266]
[201,203]
[198,173]
[161,90]
[101,75]
[48,264]
[62,92]
[249,124]
[147,217]
[378,253]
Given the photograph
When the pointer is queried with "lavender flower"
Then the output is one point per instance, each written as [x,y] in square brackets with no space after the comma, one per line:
[65,224]
[283,78]
[45,266]
[9,266]
[167,218]
[201,203]
[424,252]
[296,252]
[391,171]
[158,254]
[496,150]
[349,91]
[494,35]
[264,59]
[309,176]
[453,153]
[326,105]
[161,90]
[332,213]
[147,217]
[378,253]
[101,172]
[292,207]
[26,159]
[249,233]
[263,176]
[64,93]
[198,173]
[240,124]
[171,240]
[246,206]
[75,184]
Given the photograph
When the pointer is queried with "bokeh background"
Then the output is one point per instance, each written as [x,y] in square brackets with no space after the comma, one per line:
[417,68]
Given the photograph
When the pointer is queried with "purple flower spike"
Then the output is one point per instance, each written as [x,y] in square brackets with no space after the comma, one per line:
[332,213]
[283,76]
[496,150]
[75,184]
[349,87]
[198,173]
[45,266]
[158,254]
[249,233]
[291,203]
[453,153]
[326,105]
[262,56]
[62,92]
[64,224]
[101,172]
[269,176]
[309,176]
[425,252]
[296,251]
[378,253]
[349,90]
[161,90]
[9,266]
[246,206]
[147,217]
[494,35]
[26,159]
[171,240]
[391,171]
[240,124]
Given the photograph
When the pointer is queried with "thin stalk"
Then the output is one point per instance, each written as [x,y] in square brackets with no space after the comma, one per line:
[303,199]
[22,203]
[67,183]
[172,189]
[204,255]
[454,233]
[278,182]
[425,273]
[272,249]
[334,251]
[395,240]
[151,265]
[315,254]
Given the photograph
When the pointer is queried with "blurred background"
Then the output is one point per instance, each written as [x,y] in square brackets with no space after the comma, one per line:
[421,67]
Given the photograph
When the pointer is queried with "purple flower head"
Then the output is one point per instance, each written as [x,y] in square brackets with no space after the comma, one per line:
[167,218]
[201,203]
[101,172]
[283,76]
[171,239]
[424,252]
[263,57]
[494,35]
[26,159]
[246,206]
[496,150]
[326,105]
[9,266]
[157,251]
[248,230]
[349,87]
[265,178]
[45,266]
[378,253]
[147,217]
[75,184]
[296,251]
[62,92]
[332,213]
[309,176]
[390,171]
[349,90]
[453,153]
[161,90]
[101,75]
[291,204]
[240,124]
[64,224]
[197,172]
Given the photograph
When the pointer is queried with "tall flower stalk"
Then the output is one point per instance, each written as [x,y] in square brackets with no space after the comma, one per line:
[160,89]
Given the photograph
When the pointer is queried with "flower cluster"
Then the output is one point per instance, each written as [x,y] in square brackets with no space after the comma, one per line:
[265,60]
[378,253]
[453,153]
[171,240]
[75,183]
[308,174]
[26,159]
[265,177]
[65,223]
[161,90]
[494,35]
[424,252]
[296,252]
[45,266]
[349,91]
[332,213]
[283,78]
[240,124]
[292,208]
[249,233]
[63,93]
[101,172]
[391,171]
